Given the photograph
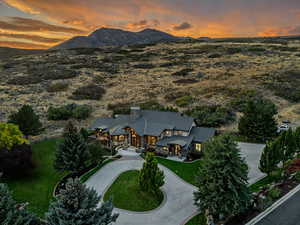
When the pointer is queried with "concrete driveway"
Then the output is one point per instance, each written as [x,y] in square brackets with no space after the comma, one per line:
[251,153]
[178,204]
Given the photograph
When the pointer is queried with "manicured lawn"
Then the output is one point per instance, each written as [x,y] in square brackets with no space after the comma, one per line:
[37,188]
[186,171]
[197,220]
[127,195]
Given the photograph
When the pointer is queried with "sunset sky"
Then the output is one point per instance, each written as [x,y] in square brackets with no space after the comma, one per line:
[40,24]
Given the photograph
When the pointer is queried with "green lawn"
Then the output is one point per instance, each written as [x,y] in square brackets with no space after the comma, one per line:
[197,220]
[37,188]
[127,195]
[186,171]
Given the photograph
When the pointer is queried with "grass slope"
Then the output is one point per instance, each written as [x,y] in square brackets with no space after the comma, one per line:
[127,195]
[37,189]
[186,171]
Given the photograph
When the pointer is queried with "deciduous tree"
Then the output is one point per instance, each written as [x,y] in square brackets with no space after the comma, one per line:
[10,135]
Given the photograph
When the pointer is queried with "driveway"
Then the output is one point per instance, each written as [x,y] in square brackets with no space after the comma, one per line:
[178,204]
[251,153]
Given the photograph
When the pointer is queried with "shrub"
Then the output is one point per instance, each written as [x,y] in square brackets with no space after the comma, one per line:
[211,115]
[183,72]
[184,101]
[241,98]
[92,92]
[58,86]
[185,81]
[214,55]
[297,176]
[10,135]
[144,66]
[66,112]
[16,161]
[232,51]
[274,193]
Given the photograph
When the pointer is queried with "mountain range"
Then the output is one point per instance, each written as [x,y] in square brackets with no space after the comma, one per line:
[116,37]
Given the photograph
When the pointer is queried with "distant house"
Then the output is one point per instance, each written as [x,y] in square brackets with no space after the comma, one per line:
[167,132]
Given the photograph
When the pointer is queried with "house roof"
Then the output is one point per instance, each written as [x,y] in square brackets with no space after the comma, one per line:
[183,141]
[202,134]
[150,122]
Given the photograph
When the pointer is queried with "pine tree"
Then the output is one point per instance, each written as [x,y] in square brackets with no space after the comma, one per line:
[78,205]
[72,153]
[28,122]
[270,158]
[222,180]
[258,122]
[10,213]
[151,178]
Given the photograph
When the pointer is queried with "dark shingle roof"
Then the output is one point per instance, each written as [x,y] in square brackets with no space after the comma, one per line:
[202,134]
[183,141]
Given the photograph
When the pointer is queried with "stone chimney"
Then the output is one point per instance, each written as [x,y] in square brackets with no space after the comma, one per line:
[135,113]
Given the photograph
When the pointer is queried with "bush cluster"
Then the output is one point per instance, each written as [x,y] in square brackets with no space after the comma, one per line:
[66,112]
[58,86]
[91,92]
[184,101]
[211,115]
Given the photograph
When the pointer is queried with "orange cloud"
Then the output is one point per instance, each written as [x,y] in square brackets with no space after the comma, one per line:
[23,45]
[34,38]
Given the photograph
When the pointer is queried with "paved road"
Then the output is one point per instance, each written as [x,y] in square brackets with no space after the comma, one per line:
[177,206]
[252,152]
[288,213]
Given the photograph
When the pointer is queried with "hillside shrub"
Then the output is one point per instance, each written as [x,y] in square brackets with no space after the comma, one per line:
[144,66]
[79,112]
[211,115]
[58,86]
[90,92]
[183,72]
[184,101]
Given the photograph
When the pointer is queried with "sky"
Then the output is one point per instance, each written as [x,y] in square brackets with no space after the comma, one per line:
[41,24]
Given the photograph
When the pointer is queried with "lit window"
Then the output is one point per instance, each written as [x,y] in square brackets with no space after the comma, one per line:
[198,147]
[121,138]
[165,148]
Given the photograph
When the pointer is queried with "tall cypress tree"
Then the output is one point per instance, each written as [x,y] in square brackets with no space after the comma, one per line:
[10,214]
[78,205]
[151,178]
[297,138]
[27,120]
[270,158]
[258,122]
[72,154]
[288,145]
[222,180]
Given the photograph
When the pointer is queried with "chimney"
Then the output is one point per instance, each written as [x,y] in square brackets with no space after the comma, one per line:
[135,113]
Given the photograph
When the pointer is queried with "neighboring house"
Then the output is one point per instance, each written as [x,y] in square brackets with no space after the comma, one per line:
[166,132]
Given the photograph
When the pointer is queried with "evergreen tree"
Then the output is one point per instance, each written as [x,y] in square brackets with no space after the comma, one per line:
[78,205]
[28,122]
[72,153]
[258,122]
[270,158]
[287,145]
[222,180]
[297,138]
[151,178]
[10,213]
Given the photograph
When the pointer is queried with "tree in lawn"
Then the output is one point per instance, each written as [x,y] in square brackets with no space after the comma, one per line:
[270,158]
[72,153]
[222,181]
[28,122]
[151,178]
[10,135]
[11,213]
[258,122]
[78,205]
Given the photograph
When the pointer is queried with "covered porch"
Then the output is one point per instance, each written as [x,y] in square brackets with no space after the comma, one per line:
[175,145]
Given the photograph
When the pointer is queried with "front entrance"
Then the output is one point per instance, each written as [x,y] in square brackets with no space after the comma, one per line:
[175,149]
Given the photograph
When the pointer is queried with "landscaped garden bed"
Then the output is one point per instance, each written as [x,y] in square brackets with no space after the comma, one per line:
[126,194]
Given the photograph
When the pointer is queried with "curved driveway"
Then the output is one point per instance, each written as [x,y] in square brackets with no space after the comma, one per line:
[176,208]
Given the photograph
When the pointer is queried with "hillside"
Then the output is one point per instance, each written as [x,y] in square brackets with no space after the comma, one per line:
[10,52]
[115,37]
[168,73]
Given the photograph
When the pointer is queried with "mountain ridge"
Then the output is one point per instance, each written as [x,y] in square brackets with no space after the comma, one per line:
[116,37]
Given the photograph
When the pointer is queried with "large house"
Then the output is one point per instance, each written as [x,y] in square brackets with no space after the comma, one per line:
[165,132]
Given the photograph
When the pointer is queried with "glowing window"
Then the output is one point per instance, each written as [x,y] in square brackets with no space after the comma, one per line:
[198,147]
